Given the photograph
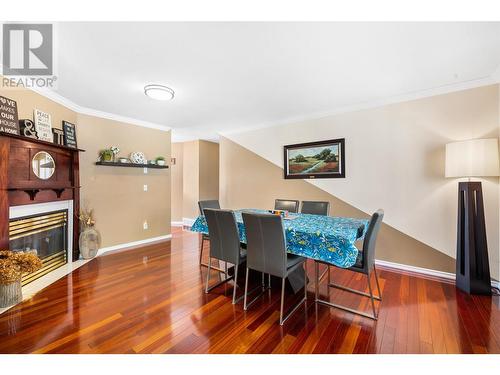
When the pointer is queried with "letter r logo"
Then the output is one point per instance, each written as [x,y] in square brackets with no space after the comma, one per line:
[27,49]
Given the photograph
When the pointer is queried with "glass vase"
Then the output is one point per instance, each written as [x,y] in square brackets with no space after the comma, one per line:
[10,294]
[90,242]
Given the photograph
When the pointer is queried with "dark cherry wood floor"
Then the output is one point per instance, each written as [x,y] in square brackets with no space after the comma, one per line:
[150,300]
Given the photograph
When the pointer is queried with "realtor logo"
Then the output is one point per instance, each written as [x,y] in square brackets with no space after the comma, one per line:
[27,50]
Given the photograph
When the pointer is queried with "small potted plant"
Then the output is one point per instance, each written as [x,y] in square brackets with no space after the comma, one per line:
[106,155]
[160,160]
[12,267]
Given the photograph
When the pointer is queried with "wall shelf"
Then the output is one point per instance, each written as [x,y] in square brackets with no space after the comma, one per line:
[130,165]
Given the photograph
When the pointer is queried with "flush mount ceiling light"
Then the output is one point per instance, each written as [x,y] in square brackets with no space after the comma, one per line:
[159,92]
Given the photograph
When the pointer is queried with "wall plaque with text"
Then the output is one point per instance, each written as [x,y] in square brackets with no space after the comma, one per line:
[43,126]
[69,130]
[8,116]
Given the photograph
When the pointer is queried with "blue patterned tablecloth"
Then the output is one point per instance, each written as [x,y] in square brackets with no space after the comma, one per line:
[326,238]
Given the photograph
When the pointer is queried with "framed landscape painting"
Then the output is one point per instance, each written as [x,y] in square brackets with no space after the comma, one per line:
[324,159]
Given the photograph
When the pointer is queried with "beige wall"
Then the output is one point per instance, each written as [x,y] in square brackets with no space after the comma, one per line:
[260,182]
[120,203]
[209,170]
[395,161]
[200,175]
[116,194]
[176,177]
[191,179]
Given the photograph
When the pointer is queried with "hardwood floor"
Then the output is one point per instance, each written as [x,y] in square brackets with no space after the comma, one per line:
[150,300]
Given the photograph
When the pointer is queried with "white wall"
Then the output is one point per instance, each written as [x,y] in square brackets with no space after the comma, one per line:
[395,161]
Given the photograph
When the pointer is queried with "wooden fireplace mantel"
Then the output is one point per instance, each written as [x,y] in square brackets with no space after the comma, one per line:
[20,186]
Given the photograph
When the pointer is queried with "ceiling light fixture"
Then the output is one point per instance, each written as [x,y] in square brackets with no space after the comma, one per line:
[159,92]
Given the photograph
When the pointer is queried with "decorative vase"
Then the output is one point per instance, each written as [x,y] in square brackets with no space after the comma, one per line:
[10,294]
[90,242]
[160,162]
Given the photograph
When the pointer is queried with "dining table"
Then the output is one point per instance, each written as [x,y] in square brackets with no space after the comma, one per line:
[329,239]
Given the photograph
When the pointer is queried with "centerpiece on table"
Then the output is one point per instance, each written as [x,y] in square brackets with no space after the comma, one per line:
[13,264]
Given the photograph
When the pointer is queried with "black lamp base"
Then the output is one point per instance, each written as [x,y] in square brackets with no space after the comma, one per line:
[473,268]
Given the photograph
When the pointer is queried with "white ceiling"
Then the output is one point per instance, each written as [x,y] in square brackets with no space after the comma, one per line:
[236,75]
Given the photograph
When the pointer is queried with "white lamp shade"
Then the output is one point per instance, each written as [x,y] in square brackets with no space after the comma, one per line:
[474,158]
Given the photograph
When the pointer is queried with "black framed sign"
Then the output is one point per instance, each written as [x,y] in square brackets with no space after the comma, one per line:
[69,131]
[8,116]
[323,159]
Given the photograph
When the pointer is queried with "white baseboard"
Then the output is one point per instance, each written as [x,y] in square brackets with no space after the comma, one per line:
[133,244]
[424,271]
[188,222]
[176,223]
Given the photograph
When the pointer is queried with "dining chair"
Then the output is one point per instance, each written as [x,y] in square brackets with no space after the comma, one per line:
[286,205]
[224,245]
[213,203]
[365,264]
[266,252]
[315,208]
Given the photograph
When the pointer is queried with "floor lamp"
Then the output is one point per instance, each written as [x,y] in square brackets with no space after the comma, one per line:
[474,158]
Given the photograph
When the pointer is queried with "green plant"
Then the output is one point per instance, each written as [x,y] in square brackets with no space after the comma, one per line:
[106,155]
[160,158]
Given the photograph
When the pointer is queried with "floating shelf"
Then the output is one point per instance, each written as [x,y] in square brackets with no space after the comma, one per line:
[130,165]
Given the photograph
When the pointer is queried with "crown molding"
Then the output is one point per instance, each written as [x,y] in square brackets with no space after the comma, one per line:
[49,94]
[406,97]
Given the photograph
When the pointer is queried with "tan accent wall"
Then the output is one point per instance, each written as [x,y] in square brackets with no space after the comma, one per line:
[200,175]
[176,177]
[209,170]
[249,181]
[116,194]
[121,205]
[191,179]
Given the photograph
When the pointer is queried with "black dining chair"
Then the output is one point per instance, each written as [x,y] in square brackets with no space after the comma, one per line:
[286,205]
[365,264]
[315,208]
[224,245]
[213,203]
[266,252]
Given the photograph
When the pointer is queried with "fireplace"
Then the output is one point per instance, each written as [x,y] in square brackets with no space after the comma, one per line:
[44,228]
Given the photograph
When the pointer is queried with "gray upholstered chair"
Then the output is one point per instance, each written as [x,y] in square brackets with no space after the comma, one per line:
[224,245]
[266,252]
[286,205]
[365,264]
[202,205]
[315,208]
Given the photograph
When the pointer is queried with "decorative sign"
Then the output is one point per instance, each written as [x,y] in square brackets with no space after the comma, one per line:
[8,116]
[28,128]
[58,136]
[43,126]
[69,130]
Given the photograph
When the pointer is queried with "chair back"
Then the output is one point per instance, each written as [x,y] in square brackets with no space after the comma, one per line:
[315,208]
[214,203]
[370,240]
[286,205]
[224,236]
[266,244]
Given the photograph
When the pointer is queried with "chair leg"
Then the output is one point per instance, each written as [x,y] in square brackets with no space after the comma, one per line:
[282,304]
[246,290]
[235,283]
[305,281]
[378,286]
[316,277]
[201,248]
[269,280]
[329,279]
[371,296]
[208,273]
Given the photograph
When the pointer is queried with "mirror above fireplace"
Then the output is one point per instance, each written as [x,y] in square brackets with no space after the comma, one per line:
[43,165]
